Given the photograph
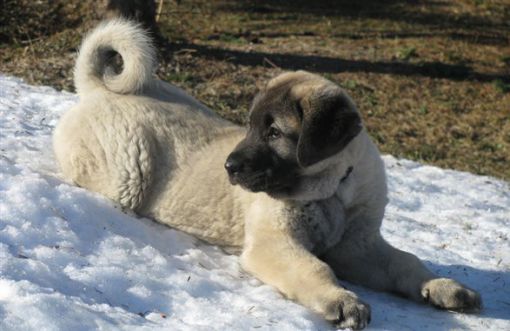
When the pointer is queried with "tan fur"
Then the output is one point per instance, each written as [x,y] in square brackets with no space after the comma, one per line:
[154,149]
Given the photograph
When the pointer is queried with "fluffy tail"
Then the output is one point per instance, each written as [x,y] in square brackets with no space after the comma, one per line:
[93,67]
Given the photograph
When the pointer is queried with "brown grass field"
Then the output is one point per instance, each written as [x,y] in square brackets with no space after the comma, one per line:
[431,78]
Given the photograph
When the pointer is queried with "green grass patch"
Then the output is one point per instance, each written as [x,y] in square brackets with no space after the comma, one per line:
[501,86]
[406,53]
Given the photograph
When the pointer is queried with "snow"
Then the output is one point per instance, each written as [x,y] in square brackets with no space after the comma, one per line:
[71,260]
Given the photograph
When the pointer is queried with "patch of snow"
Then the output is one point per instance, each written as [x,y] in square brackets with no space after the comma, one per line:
[71,260]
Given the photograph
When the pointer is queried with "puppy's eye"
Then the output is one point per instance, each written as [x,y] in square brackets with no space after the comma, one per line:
[274,133]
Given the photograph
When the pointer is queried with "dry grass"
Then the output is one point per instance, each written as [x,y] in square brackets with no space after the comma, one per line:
[431,78]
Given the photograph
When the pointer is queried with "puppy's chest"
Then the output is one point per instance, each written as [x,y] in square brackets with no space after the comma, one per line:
[320,223]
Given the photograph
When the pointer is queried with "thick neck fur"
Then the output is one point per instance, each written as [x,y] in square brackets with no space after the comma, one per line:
[322,179]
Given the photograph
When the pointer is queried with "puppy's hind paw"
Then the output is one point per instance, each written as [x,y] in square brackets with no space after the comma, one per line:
[448,294]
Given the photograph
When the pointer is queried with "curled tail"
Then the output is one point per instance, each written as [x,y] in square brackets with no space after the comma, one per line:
[93,67]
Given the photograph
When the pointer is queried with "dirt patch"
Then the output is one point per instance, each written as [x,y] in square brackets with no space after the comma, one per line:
[431,78]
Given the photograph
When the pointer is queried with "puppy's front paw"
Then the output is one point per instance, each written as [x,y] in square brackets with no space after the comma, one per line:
[349,312]
[448,294]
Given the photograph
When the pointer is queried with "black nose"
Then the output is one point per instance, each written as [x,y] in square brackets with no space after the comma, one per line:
[233,165]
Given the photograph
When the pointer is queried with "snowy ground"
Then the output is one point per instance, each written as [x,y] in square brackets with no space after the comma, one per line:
[70,260]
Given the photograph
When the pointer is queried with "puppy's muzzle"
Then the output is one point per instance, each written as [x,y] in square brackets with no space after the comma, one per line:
[252,174]
[234,166]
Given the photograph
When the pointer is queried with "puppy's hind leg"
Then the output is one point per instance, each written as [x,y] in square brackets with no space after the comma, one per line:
[372,262]
[116,162]
[133,168]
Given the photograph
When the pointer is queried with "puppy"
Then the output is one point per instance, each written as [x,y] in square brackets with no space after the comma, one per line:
[302,196]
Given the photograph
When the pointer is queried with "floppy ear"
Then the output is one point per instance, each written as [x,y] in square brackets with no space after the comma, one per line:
[330,122]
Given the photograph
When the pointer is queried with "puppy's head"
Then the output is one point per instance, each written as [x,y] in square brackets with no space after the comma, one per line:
[297,121]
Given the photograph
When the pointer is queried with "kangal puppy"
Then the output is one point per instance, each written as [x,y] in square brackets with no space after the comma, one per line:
[302,196]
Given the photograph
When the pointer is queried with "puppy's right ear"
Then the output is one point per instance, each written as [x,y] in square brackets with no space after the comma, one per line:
[330,122]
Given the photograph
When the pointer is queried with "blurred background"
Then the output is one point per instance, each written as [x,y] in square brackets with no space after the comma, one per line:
[430,77]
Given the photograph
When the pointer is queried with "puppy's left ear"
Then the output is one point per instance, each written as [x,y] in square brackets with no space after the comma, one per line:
[330,122]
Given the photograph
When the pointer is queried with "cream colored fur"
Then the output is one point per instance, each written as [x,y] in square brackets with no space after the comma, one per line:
[138,58]
[152,148]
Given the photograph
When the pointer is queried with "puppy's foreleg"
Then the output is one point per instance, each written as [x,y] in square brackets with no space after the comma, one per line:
[372,262]
[278,259]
